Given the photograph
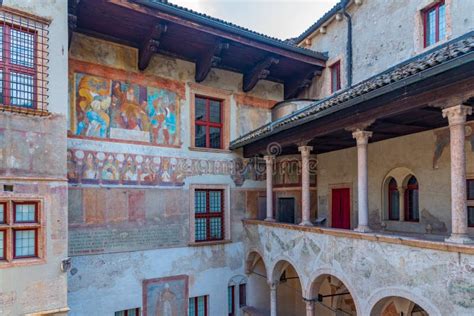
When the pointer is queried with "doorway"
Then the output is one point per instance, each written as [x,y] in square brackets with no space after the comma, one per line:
[341,208]
[286,210]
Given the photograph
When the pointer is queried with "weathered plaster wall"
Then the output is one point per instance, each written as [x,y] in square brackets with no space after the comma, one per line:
[103,284]
[130,199]
[440,282]
[384,34]
[33,160]
[416,153]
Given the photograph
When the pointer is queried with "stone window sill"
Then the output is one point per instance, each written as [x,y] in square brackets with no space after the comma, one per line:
[209,243]
[21,262]
[211,150]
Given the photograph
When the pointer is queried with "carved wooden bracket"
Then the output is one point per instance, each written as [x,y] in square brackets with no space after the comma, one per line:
[211,58]
[150,45]
[260,71]
[294,87]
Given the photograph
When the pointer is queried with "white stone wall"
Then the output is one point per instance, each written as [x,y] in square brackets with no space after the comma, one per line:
[414,152]
[385,33]
[439,281]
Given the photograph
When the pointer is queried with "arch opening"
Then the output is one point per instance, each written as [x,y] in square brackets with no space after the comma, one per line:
[395,306]
[332,297]
[289,290]
[258,291]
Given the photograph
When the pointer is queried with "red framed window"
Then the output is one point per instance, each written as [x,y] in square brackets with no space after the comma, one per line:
[335,76]
[129,312]
[198,306]
[412,213]
[209,125]
[20,230]
[393,201]
[231,300]
[209,215]
[18,66]
[242,294]
[434,23]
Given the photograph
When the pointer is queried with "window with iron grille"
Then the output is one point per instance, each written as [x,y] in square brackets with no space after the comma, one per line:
[209,214]
[208,122]
[434,21]
[129,312]
[198,306]
[23,64]
[20,230]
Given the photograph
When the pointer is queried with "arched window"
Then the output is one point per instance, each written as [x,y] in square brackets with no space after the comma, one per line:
[393,201]
[412,212]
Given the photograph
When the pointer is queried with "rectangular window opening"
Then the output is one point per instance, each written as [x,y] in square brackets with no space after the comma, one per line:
[208,120]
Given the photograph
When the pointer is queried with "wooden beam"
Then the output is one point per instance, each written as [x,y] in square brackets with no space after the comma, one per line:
[294,87]
[259,72]
[150,45]
[220,33]
[72,19]
[208,59]
[392,104]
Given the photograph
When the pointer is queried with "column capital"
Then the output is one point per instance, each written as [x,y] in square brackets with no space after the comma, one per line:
[273,284]
[457,114]
[269,159]
[361,136]
[305,150]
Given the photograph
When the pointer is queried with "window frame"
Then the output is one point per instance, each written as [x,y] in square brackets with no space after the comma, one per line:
[391,189]
[208,215]
[425,14]
[207,123]
[196,311]
[470,201]
[232,288]
[7,67]
[125,312]
[10,228]
[335,67]
[408,189]
[242,293]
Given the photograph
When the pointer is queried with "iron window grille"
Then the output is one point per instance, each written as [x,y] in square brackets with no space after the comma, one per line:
[209,215]
[23,64]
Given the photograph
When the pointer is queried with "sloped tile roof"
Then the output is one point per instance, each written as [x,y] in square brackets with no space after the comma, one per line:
[179,10]
[441,54]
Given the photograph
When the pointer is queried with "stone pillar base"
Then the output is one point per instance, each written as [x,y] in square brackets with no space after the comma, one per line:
[269,219]
[306,223]
[363,229]
[459,239]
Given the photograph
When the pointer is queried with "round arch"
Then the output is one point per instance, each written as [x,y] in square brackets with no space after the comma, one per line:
[258,291]
[378,301]
[252,258]
[289,282]
[320,276]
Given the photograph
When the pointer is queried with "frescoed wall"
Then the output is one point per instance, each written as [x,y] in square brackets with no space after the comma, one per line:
[108,104]
[130,165]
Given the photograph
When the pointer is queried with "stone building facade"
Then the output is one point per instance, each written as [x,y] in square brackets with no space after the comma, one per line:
[187,166]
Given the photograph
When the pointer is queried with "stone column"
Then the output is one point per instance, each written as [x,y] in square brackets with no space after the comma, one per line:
[457,118]
[305,196]
[401,202]
[269,166]
[273,298]
[309,307]
[362,138]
